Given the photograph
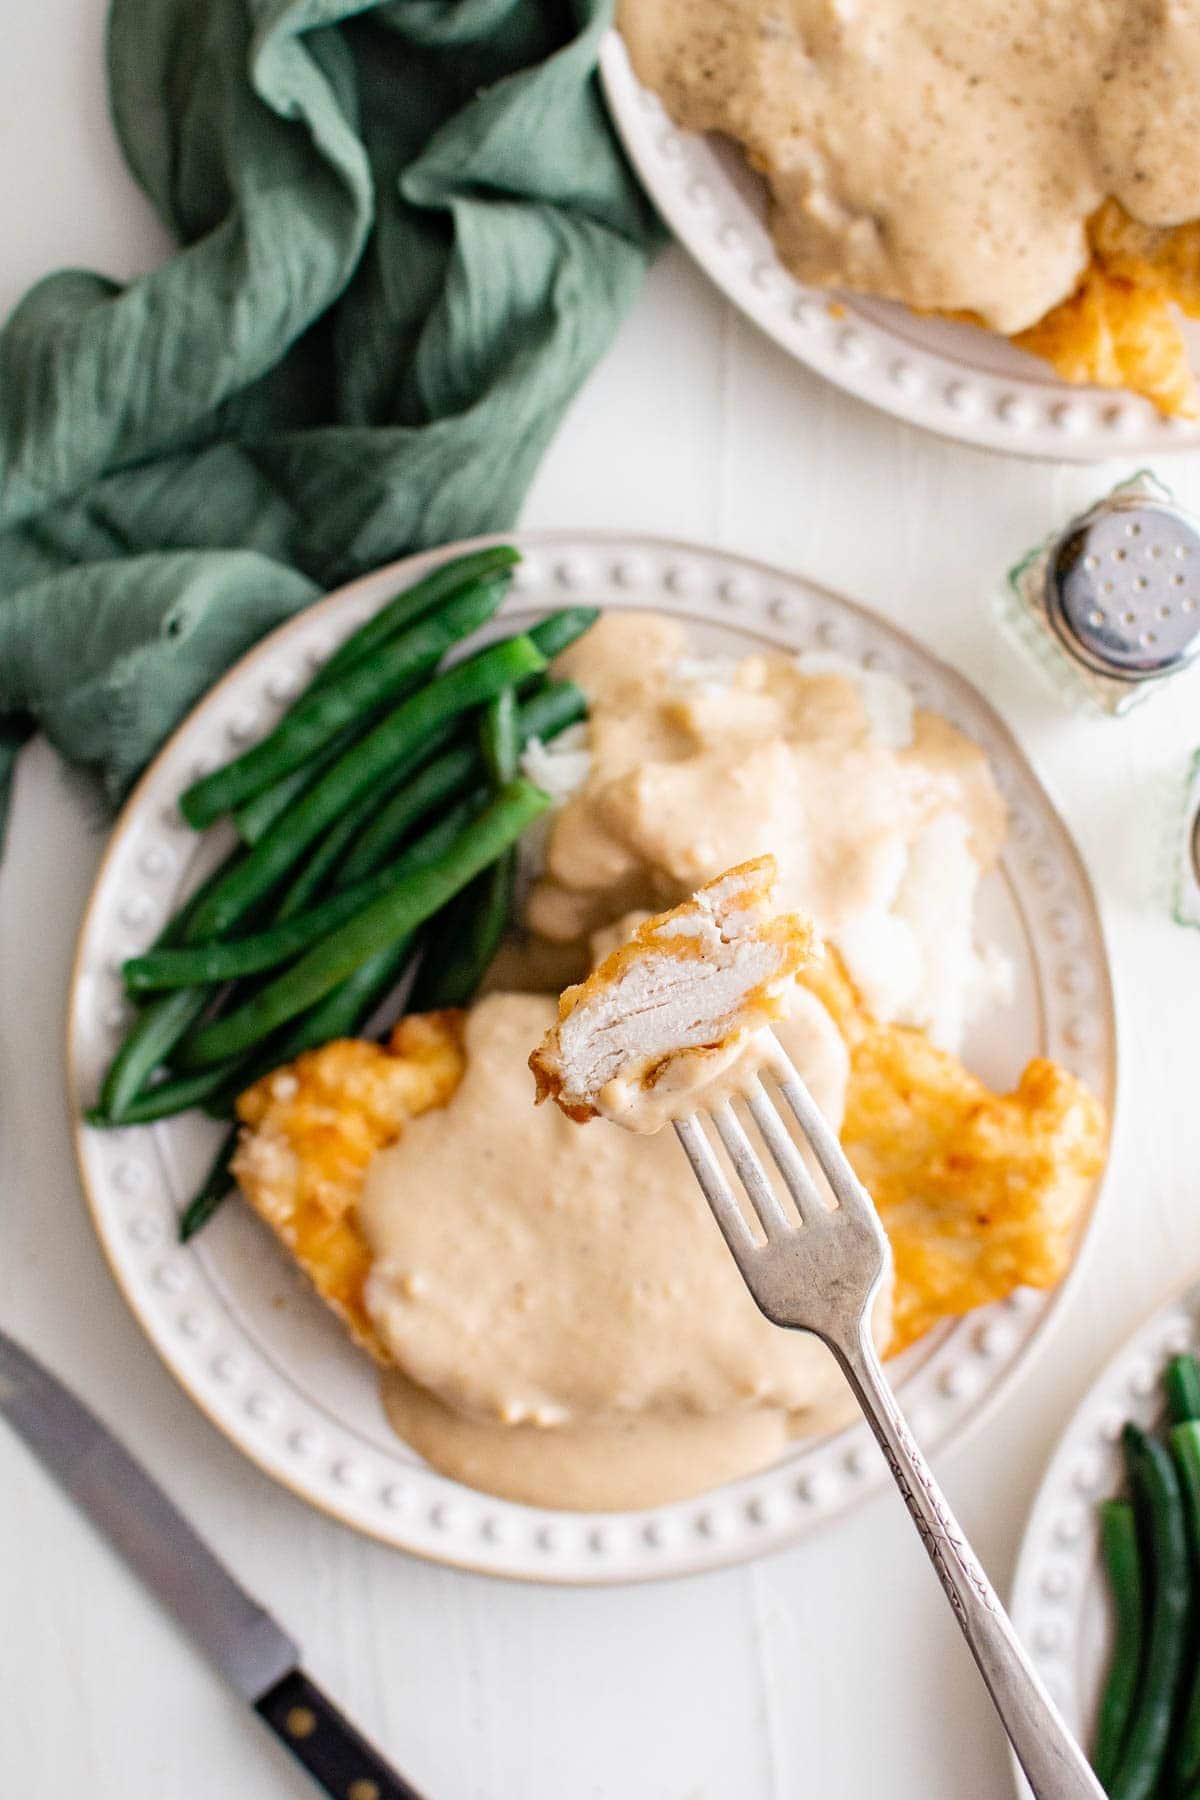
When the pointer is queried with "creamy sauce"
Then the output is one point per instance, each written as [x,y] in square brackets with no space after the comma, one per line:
[567,1324]
[701,1078]
[947,156]
[881,825]
[646,1459]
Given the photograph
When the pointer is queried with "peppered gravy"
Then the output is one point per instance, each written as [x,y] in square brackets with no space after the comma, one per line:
[944,155]
[567,1325]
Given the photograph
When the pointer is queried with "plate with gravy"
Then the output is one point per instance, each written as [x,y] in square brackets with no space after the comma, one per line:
[495,1337]
[985,220]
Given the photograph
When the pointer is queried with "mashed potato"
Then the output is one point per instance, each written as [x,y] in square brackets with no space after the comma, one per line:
[882,818]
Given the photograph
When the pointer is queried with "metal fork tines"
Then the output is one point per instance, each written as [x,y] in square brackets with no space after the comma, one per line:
[821,1271]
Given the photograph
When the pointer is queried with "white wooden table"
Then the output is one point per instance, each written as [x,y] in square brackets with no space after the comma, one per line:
[832,1671]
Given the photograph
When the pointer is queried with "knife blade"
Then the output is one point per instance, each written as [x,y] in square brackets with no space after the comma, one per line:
[253,1653]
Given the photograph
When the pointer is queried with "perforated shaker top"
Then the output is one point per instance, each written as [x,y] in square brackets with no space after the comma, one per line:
[1123,589]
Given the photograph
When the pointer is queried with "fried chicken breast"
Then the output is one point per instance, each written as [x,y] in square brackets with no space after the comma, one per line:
[980,1193]
[1119,328]
[309,1131]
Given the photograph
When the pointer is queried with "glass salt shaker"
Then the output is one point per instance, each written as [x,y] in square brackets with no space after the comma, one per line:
[1110,607]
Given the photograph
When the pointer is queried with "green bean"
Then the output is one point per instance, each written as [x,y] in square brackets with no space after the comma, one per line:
[341,1014]
[257,816]
[440,584]
[499,740]
[440,839]
[328,860]
[1182,1382]
[155,1033]
[196,965]
[393,915]
[546,713]
[1119,1543]
[443,779]
[172,932]
[164,1021]
[464,941]
[217,1185]
[324,713]
[394,743]
[543,716]
[166,1098]
[344,1010]
[552,635]
[1160,1511]
[459,950]
[1185,1448]
[327,856]
[193,965]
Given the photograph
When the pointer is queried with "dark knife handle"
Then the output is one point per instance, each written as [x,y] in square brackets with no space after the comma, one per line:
[338,1758]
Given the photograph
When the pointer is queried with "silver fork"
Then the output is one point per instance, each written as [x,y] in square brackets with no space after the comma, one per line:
[822,1275]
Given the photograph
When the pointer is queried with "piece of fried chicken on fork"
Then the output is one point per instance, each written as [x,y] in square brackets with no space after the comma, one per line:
[674,1005]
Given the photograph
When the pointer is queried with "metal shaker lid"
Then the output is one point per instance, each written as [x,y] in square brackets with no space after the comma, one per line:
[1123,588]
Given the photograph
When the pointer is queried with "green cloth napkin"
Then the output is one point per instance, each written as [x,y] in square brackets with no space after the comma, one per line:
[407,233]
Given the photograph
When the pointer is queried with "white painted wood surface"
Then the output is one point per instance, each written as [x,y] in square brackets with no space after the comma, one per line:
[833,1671]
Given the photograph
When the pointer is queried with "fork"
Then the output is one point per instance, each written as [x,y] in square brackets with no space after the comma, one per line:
[822,1274]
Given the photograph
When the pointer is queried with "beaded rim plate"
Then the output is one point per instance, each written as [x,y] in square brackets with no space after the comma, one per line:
[1059,1602]
[949,378]
[233,1319]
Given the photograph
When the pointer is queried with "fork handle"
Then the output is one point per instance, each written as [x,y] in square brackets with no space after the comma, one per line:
[1052,1760]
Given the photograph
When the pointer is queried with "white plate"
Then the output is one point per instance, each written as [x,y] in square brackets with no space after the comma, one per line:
[954,379]
[234,1320]
[1060,1602]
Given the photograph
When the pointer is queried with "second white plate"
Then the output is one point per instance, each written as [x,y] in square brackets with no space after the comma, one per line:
[1060,1602]
[953,379]
[231,1316]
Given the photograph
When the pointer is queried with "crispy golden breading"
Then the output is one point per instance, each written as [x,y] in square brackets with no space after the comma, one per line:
[1163,259]
[979,1193]
[311,1130]
[1118,329]
[1111,333]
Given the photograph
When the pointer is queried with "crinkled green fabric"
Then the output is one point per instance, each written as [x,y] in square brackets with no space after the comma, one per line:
[407,233]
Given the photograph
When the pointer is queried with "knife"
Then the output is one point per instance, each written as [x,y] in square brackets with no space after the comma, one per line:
[256,1657]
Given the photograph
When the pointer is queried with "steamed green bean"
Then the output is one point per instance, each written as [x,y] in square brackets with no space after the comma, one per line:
[325,712]
[395,741]
[384,921]
[431,590]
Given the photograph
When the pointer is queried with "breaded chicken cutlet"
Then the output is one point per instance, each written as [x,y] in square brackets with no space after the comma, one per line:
[980,1193]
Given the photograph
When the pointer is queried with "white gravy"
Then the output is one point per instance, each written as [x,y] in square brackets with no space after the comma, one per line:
[881,827]
[567,1324]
